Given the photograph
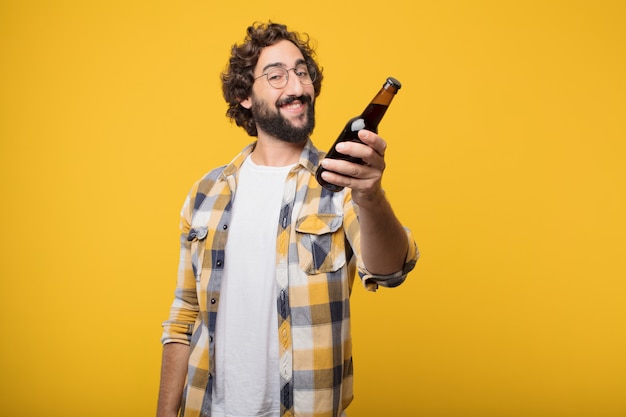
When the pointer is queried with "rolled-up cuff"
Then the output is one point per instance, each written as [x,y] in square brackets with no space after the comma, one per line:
[174,332]
[372,281]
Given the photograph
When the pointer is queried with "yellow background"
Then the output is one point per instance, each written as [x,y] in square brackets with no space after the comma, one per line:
[506,158]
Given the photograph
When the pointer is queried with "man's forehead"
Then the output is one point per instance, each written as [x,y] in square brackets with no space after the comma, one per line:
[283,54]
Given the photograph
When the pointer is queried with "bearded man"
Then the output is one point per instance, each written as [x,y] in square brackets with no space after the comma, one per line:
[260,322]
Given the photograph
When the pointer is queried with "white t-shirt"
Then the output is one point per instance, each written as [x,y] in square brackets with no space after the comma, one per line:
[247,382]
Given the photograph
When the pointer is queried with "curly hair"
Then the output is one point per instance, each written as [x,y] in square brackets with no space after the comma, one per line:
[238,78]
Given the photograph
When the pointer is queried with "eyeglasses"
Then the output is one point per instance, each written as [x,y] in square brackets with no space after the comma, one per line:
[278,77]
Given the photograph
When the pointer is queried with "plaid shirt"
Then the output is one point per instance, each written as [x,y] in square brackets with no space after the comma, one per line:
[318,255]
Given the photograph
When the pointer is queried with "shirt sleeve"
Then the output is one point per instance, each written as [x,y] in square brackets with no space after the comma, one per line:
[184,310]
[372,281]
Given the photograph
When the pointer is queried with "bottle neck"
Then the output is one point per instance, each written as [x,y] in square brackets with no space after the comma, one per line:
[375,111]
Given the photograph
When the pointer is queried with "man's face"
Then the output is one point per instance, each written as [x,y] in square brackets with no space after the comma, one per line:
[286,113]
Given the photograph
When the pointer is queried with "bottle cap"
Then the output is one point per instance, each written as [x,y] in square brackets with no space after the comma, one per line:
[394,82]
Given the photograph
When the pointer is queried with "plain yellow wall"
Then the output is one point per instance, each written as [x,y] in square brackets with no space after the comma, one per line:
[506,157]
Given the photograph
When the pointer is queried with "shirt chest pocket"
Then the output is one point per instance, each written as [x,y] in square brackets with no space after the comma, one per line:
[321,243]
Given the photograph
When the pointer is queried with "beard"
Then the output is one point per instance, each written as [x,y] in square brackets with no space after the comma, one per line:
[274,124]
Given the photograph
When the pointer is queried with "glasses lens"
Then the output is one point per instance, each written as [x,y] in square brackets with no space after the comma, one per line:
[305,74]
[277,77]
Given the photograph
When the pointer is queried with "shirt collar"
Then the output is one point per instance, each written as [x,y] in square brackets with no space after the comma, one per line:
[309,159]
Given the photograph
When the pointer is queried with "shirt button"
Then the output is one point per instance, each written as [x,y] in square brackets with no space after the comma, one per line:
[218,263]
[225,227]
[212,300]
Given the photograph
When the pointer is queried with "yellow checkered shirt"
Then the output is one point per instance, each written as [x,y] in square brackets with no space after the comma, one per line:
[318,257]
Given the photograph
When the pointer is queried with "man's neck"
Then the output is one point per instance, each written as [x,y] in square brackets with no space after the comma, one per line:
[270,151]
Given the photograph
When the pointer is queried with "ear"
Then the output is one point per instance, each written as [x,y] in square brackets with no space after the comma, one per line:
[247,103]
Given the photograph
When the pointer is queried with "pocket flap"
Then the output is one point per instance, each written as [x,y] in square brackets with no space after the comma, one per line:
[319,224]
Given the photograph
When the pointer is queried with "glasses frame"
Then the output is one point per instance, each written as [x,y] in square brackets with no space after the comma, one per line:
[310,70]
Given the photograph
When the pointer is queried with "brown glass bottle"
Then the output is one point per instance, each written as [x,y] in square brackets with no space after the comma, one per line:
[369,119]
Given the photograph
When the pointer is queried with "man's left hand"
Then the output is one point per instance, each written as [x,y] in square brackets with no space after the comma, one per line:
[364,180]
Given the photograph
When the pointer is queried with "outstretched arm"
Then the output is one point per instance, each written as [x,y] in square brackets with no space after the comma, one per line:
[384,243]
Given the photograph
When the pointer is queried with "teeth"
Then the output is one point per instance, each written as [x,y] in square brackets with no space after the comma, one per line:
[293,105]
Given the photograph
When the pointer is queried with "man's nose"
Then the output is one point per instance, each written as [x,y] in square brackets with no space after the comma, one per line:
[294,86]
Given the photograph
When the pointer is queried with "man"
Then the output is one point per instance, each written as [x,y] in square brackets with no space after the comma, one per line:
[260,323]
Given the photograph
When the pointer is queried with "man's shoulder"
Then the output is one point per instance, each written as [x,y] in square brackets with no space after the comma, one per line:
[203,187]
[212,175]
[220,172]
[208,180]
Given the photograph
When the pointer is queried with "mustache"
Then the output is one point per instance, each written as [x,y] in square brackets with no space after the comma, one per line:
[305,99]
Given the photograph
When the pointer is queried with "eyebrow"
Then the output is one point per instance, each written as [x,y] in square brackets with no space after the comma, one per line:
[282,65]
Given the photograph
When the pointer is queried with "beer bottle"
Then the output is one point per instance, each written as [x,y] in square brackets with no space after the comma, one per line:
[369,119]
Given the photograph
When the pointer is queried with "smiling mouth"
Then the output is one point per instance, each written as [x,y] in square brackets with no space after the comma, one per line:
[294,103]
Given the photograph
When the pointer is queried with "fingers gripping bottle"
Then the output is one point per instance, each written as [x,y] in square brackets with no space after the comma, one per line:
[369,119]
